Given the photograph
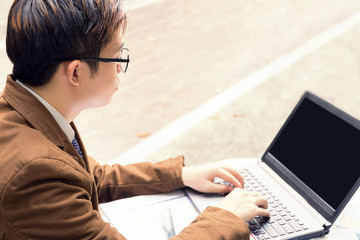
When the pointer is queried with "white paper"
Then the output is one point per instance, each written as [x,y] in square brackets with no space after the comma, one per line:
[151,217]
[350,218]
[127,204]
[202,201]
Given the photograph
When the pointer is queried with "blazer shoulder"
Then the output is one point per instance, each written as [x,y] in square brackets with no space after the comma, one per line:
[26,151]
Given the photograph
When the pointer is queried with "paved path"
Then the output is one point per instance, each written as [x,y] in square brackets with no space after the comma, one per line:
[185,54]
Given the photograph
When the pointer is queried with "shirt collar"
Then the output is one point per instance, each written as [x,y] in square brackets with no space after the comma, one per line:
[63,123]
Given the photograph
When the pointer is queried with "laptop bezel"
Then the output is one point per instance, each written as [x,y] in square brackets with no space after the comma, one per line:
[310,196]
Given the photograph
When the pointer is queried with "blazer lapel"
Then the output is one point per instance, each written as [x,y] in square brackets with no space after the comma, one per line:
[41,119]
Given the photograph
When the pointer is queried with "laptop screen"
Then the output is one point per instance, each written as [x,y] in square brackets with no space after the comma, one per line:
[321,149]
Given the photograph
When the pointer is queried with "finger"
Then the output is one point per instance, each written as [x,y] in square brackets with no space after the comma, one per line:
[219,188]
[262,212]
[237,175]
[227,176]
[261,202]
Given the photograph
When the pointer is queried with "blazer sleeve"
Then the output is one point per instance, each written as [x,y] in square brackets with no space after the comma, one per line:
[215,224]
[114,182]
[50,199]
[117,181]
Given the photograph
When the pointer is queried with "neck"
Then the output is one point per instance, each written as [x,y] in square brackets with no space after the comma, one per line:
[60,99]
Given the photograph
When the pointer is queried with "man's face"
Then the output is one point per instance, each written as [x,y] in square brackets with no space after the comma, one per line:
[101,86]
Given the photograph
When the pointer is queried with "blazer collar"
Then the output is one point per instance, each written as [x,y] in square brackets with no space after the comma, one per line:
[38,116]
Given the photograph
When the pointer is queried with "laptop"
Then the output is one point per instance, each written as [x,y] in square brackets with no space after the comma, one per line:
[308,173]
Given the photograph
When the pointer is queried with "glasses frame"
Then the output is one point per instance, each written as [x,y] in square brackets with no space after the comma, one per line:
[125,60]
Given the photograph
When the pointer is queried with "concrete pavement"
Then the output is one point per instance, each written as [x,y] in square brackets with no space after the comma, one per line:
[184,53]
[246,126]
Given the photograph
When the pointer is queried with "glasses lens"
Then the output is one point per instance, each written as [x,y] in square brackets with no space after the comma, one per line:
[124,55]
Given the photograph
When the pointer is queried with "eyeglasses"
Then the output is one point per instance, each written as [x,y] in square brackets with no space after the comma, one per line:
[123,60]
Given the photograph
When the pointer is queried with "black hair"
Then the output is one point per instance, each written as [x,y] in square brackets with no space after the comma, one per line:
[40,33]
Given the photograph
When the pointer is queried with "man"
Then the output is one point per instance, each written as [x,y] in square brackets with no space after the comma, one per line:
[67,57]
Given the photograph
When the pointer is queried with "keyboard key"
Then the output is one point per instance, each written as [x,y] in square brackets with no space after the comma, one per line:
[278,229]
[281,222]
[294,225]
[252,222]
[260,220]
[283,214]
[284,207]
[260,237]
[273,213]
[304,227]
[266,236]
[287,228]
[269,230]
[253,228]
[271,220]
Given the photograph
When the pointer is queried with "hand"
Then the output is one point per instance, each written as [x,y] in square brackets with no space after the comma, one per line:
[245,204]
[201,178]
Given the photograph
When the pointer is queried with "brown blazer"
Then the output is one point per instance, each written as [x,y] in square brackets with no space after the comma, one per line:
[47,191]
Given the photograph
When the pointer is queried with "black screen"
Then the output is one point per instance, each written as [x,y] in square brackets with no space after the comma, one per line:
[322,150]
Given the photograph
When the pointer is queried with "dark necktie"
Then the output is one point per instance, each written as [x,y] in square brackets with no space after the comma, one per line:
[76,146]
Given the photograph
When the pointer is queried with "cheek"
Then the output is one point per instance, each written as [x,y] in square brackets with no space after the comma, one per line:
[113,72]
[110,75]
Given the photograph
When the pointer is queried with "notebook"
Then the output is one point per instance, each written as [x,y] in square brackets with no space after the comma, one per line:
[309,172]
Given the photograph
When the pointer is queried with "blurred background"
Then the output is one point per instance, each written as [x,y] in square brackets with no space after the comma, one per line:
[213,79]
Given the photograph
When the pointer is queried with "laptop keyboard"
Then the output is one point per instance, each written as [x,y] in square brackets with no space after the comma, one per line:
[282,220]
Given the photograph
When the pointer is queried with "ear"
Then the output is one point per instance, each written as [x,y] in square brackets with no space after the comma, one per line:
[73,72]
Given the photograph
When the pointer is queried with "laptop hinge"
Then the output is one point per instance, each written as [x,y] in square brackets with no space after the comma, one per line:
[327,226]
[326,229]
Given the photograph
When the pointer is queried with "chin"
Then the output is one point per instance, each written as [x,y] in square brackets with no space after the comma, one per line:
[102,101]
[101,104]
[107,101]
